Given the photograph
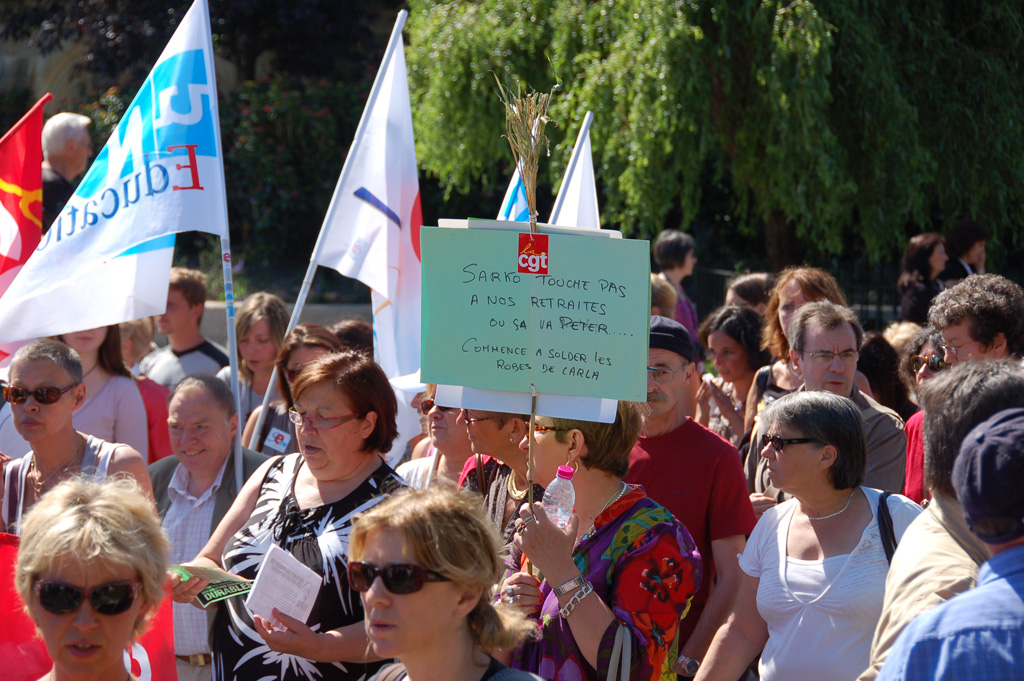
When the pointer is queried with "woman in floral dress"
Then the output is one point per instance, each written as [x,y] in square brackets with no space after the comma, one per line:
[623,560]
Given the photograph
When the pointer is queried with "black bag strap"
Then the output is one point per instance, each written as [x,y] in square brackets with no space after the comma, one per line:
[885,528]
[763,374]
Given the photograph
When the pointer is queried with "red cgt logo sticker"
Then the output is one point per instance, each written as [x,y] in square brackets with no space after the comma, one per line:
[533,253]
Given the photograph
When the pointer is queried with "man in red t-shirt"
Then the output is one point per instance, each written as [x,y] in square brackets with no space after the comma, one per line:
[697,476]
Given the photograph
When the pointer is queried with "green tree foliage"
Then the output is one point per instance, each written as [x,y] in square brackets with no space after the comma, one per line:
[314,38]
[835,123]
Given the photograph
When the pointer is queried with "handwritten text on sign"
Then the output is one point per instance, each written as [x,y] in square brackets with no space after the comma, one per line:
[579,329]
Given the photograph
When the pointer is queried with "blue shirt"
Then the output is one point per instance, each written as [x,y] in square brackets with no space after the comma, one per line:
[979,634]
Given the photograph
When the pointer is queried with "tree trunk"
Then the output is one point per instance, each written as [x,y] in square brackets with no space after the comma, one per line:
[781,245]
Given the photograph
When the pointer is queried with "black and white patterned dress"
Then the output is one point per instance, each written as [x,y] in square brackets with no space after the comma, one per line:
[318,537]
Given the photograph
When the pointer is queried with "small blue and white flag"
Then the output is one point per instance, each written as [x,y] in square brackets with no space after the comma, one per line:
[106,258]
[514,206]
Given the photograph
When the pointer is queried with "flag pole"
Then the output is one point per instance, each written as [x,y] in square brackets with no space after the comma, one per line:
[576,150]
[300,302]
[225,258]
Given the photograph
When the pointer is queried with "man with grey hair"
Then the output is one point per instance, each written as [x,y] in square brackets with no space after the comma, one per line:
[938,557]
[67,149]
[825,341]
[194,489]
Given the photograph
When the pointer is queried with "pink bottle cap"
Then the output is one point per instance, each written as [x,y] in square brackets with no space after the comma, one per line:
[564,472]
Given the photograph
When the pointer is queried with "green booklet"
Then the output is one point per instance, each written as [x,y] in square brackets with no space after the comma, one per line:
[222,585]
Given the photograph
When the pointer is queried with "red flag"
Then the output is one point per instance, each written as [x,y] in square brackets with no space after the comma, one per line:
[21,192]
[24,654]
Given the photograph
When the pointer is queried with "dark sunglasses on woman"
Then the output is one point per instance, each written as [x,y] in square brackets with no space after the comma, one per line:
[934,363]
[427,405]
[398,579]
[780,442]
[45,395]
[111,598]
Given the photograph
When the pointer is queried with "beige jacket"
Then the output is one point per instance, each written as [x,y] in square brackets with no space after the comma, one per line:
[937,558]
[886,445]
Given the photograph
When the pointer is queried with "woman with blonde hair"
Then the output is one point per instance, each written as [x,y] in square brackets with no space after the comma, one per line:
[90,570]
[425,563]
[262,322]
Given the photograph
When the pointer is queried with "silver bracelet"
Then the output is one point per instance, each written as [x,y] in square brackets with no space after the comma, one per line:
[576,599]
[573,583]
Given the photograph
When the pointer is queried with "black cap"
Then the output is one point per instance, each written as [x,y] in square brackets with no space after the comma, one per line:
[988,475]
[668,334]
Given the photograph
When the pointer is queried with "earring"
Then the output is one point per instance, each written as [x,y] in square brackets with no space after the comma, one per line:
[574,465]
[511,438]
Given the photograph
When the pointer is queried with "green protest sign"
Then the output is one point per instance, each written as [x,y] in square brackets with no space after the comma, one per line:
[504,310]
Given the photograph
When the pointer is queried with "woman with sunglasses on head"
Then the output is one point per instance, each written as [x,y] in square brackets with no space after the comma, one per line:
[425,563]
[90,571]
[303,344]
[45,389]
[814,566]
[922,359]
[622,561]
[449,444]
[305,503]
[498,468]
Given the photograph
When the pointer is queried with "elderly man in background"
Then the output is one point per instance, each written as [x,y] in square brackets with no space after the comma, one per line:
[194,489]
[67,149]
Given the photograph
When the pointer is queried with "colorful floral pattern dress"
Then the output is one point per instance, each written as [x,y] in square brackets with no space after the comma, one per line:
[643,564]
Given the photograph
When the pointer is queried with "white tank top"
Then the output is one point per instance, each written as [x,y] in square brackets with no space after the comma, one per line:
[95,461]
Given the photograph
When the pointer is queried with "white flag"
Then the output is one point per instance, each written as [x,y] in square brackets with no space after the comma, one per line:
[576,203]
[372,232]
[159,173]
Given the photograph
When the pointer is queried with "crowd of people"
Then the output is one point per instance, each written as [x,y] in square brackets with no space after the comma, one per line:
[795,499]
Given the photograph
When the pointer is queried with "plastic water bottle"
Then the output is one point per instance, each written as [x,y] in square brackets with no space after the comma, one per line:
[560,497]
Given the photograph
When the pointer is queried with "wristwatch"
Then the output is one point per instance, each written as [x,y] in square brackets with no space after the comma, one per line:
[690,665]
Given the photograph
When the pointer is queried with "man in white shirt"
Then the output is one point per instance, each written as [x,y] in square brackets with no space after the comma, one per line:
[193,494]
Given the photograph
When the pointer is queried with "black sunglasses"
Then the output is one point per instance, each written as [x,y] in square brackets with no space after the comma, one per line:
[934,363]
[780,442]
[427,405]
[112,598]
[398,579]
[44,395]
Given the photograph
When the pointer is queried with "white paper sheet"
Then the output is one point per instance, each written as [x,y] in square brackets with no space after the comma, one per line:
[283,583]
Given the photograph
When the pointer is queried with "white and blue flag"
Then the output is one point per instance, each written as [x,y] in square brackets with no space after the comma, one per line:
[514,206]
[106,258]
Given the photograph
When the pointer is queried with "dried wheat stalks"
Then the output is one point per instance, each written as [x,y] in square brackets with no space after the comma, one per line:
[525,118]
